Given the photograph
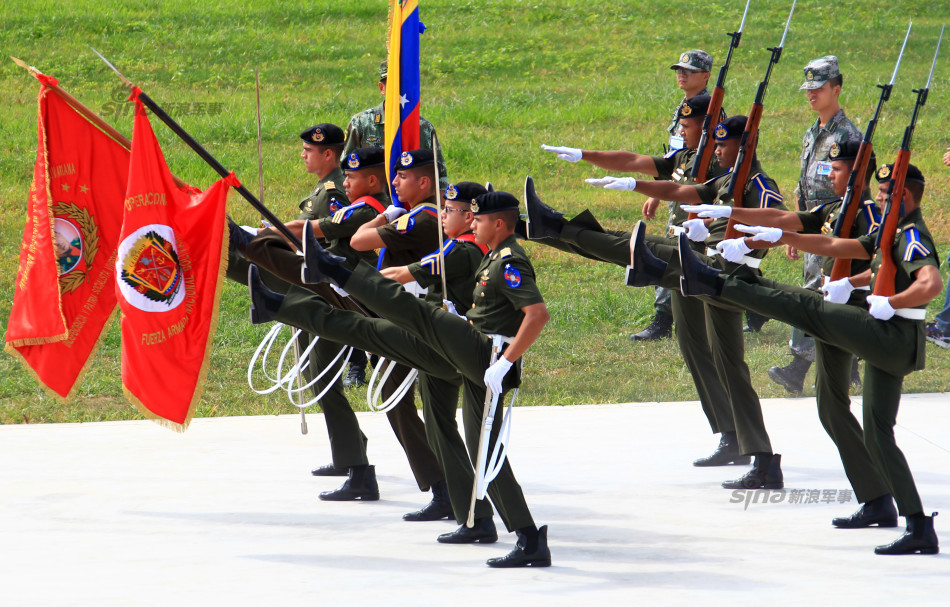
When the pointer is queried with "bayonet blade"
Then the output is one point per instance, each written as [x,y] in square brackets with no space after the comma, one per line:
[127,82]
[788,23]
[901,55]
[744,14]
[936,52]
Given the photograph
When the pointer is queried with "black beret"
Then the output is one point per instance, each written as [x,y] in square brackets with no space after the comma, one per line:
[844,151]
[730,128]
[492,202]
[415,158]
[694,107]
[363,158]
[464,191]
[323,134]
[885,173]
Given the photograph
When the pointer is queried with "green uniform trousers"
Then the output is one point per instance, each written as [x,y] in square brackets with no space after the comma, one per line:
[889,350]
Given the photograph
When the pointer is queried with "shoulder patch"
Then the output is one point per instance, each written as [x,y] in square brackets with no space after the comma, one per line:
[329,185]
[872,215]
[405,224]
[506,252]
[512,276]
[768,196]
[914,247]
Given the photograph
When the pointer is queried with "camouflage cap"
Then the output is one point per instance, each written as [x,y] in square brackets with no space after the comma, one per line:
[464,192]
[383,70]
[697,60]
[363,158]
[886,173]
[694,107]
[819,71]
[415,158]
[492,202]
[730,128]
[323,134]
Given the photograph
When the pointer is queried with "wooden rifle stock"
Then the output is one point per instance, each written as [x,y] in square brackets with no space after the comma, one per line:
[850,206]
[887,272]
[743,166]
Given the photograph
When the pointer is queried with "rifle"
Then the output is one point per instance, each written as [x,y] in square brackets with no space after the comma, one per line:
[852,197]
[887,272]
[704,151]
[750,136]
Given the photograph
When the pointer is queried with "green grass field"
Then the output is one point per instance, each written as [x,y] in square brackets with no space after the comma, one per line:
[499,79]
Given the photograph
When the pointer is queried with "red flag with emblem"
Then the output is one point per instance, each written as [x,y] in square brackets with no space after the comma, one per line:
[169,270]
[64,293]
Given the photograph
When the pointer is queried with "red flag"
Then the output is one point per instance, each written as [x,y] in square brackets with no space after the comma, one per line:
[64,296]
[169,270]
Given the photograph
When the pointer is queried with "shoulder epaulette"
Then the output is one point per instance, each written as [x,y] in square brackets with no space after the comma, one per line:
[506,252]
[329,185]
[914,246]
[872,215]
[767,195]
[670,154]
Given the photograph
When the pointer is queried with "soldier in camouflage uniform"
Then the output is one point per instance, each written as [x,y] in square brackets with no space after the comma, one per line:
[369,126]
[822,86]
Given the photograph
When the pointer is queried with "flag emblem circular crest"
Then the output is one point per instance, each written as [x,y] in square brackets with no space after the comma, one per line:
[884,173]
[474,206]
[835,150]
[809,75]
[68,244]
[451,192]
[405,159]
[721,132]
[148,270]
[685,110]
[512,276]
[684,58]
[318,135]
[354,161]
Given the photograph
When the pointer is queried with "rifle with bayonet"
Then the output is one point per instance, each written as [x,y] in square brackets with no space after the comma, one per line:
[887,272]
[856,180]
[704,152]
[750,136]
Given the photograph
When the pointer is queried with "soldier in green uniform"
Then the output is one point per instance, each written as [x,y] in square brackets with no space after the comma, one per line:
[689,314]
[368,129]
[888,335]
[822,87]
[833,365]
[724,324]
[506,303]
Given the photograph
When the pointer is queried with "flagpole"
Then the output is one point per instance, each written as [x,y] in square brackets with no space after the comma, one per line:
[276,223]
[438,204]
[91,116]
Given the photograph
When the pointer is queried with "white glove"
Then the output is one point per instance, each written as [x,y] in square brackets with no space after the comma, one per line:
[880,307]
[496,373]
[568,154]
[760,234]
[708,211]
[250,230]
[450,307]
[838,291]
[392,212]
[696,229]
[623,184]
[733,249]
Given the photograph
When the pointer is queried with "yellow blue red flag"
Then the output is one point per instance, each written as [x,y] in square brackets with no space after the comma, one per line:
[402,83]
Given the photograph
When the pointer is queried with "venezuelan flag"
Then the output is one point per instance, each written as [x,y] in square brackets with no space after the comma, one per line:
[402,83]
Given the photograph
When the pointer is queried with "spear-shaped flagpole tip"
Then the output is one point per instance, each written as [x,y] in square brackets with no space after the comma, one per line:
[25,65]
[127,82]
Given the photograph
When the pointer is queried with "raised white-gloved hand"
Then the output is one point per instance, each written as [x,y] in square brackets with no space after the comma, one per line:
[496,373]
[708,211]
[450,307]
[623,184]
[696,229]
[392,212]
[880,307]
[733,249]
[761,234]
[838,291]
[568,154]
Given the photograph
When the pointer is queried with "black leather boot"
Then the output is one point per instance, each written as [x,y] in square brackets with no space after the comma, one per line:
[238,238]
[754,322]
[361,485]
[792,376]
[661,327]
[521,557]
[696,277]
[264,302]
[880,511]
[329,470]
[439,508]
[483,532]
[319,264]
[766,473]
[543,221]
[725,454]
[920,537]
[645,269]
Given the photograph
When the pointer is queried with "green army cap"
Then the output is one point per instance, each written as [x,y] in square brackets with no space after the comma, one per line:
[492,202]
[697,60]
[886,172]
[364,158]
[383,70]
[819,71]
[323,134]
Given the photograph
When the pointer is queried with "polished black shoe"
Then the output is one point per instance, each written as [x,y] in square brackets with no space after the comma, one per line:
[645,269]
[319,264]
[361,485]
[355,377]
[727,453]
[696,277]
[439,508]
[754,322]
[483,532]
[880,511]
[661,327]
[264,303]
[919,538]
[238,237]
[542,220]
[519,557]
[329,470]
[792,376]
[766,473]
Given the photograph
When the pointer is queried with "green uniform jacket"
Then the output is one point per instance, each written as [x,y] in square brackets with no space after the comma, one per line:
[326,199]
[462,258]
[340,227]
[822,220]
[677,166]
[410,237]
[505,283]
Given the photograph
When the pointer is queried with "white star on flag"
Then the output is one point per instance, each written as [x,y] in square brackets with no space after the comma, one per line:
[403,101]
